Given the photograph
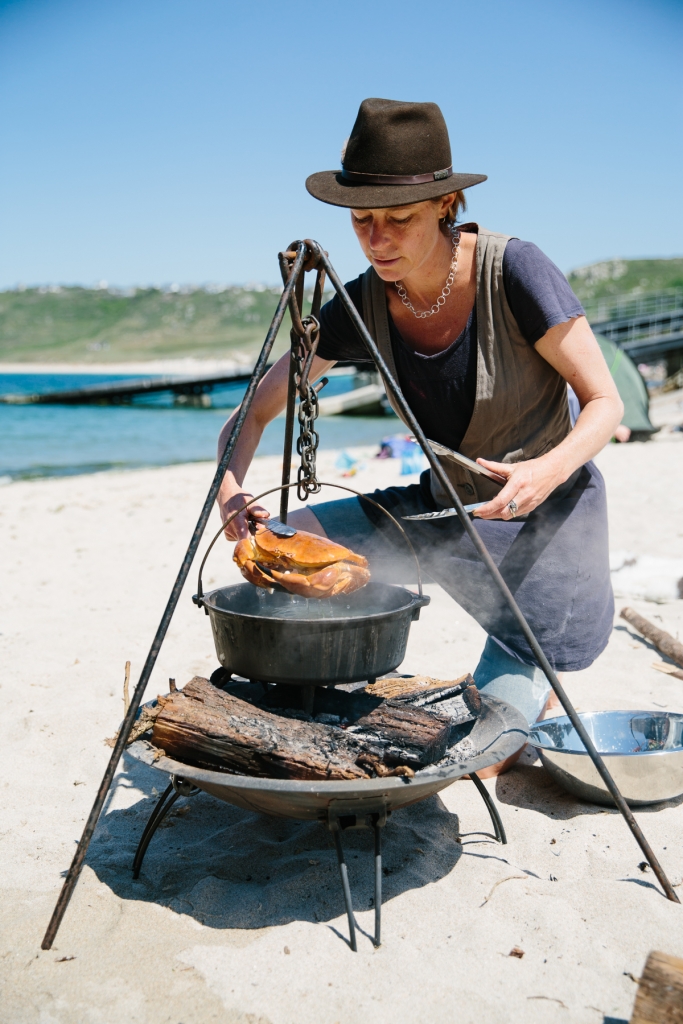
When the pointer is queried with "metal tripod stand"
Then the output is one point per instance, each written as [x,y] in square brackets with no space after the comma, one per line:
[305,256]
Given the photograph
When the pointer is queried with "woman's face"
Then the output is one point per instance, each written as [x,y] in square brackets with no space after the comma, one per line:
[401,239]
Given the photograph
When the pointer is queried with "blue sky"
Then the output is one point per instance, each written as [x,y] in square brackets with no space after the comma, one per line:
[153,141]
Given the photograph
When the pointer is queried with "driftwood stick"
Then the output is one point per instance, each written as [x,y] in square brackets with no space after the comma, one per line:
[662,640]
[126,689]
[659,999]
[670,670]
[142,724]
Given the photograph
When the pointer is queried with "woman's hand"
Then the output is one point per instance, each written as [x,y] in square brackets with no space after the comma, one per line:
[573,351]
[528,484]
[239,527]
[270,399]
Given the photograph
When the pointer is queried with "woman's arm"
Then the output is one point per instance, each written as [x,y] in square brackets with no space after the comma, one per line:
[269,401]
[572,350]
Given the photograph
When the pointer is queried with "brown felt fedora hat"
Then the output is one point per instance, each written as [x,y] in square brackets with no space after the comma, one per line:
[397,153]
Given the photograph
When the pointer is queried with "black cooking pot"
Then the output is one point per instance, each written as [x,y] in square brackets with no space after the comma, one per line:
[282,638]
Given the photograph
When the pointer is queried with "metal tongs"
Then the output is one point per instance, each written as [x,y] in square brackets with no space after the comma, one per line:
[274,525]
[473,467]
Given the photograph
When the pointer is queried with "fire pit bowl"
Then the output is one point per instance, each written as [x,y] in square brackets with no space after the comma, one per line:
[282,638]
[499,731]
[643,751]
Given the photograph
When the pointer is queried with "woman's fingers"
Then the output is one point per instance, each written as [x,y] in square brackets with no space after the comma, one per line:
[497,508]
[523,490]
[258,512]
[517,489]
[502,468]
[528,485]
[239,526]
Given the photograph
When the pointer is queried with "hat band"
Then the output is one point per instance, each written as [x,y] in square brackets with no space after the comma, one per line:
[395,179]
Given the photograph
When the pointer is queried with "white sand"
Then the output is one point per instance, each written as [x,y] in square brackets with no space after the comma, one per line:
[203,935]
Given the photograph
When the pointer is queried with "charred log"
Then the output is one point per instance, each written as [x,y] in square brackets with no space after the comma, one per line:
[209,728]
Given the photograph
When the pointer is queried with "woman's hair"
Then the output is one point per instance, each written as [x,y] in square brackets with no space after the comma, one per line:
[458,205]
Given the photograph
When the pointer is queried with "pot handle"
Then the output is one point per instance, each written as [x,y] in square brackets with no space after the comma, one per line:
[198,597]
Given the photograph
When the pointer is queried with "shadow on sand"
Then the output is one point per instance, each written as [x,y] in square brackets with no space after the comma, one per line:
[231,868]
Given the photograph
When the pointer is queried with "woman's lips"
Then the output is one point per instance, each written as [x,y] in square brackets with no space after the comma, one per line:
[385,263]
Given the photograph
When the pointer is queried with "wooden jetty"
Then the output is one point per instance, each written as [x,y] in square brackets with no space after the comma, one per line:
[195,391]
[122,391]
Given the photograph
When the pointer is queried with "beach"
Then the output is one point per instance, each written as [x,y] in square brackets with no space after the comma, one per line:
[239,918]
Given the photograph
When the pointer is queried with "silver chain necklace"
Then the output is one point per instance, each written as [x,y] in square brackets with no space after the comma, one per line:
[422,315]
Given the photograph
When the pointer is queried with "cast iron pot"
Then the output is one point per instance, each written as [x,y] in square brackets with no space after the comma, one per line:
[278,637]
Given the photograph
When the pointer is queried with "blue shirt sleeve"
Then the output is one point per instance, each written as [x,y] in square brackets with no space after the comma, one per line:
[537,291]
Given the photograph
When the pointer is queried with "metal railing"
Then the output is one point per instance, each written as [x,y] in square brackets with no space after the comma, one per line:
[625,307]
[648,327]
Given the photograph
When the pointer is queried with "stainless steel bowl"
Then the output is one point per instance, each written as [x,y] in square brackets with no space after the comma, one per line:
[643,751]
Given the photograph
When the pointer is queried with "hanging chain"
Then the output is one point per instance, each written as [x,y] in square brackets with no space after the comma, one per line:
[305,334]
[308,439]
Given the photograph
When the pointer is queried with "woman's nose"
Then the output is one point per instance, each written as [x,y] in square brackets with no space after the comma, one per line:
[377,236]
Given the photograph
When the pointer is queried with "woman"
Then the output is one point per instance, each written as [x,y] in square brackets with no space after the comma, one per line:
[483,334]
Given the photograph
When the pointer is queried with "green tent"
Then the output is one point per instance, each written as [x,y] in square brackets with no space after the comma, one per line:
[630,386]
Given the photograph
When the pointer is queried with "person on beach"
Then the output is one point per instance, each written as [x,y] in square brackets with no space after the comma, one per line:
[483,333]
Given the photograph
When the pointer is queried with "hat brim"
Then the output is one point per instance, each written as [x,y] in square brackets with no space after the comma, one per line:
[330,187]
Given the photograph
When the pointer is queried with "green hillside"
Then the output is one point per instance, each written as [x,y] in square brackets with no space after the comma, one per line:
[103,326]
[621,279]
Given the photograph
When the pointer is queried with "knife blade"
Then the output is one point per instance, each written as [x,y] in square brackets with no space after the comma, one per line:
[274,525]
[445,512]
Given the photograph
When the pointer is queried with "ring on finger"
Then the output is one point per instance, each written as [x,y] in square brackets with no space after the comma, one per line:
[512,506]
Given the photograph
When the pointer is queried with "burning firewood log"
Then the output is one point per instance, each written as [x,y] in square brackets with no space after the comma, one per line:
[424,690]
[207,727]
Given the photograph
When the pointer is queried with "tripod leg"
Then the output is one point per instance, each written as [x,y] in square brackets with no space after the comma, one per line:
[156,817]
[491,807]
[347,890]
[378,884]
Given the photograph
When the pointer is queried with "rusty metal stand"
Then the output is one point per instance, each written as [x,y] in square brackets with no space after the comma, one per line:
[176,787]
[340,818]
[338,821]
[496,819]
[300,257]
[343,871]
[160,811]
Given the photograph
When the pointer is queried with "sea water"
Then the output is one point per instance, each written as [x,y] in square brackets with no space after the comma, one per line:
[61,440]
